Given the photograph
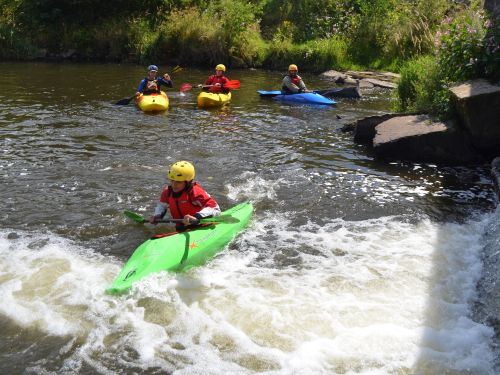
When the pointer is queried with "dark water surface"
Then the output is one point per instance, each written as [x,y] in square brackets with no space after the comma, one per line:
[350,265]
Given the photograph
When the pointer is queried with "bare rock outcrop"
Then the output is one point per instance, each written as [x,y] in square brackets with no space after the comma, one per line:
[478,105]
[418,138]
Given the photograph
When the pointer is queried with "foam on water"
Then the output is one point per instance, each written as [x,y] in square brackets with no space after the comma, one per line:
[368,297]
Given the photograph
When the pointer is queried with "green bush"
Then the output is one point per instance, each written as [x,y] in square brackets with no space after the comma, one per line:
[316,55]
[225,32]
[421,88]
[468,47]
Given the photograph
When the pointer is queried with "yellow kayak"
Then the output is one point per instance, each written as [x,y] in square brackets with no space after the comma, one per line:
[210,99]
[153,102]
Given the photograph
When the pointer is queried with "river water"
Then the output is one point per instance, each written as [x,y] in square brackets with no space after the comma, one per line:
[349,266]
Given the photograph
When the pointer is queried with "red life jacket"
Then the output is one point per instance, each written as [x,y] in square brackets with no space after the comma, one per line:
[213,79]
[183,205]
[295,80]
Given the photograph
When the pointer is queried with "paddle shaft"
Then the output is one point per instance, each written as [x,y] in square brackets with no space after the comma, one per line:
[202,221]
[232,84]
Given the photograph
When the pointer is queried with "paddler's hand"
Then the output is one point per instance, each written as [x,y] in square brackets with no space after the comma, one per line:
[154,220]
[166,76]
[190,220]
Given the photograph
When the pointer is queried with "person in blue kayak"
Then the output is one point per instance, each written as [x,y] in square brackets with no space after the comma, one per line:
[292,82]
[151,84]
[215,83]
[185,198]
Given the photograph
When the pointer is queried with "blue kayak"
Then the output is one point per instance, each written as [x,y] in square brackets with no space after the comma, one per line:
[305,97]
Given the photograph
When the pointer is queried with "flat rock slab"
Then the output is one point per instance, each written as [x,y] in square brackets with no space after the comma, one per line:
[418,138]
[406,126]
[380,83]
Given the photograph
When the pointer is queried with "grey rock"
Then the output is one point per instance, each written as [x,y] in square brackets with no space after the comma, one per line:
[418,138]
[477,103]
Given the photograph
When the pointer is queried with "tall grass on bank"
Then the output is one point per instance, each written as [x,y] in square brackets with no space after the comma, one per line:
[315,56]
[225,32]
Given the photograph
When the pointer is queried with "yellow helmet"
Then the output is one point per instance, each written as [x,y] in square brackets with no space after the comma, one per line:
[181,171]
[293,67]
[220,67]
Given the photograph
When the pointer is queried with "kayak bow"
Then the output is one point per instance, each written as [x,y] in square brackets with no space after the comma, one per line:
[153,102]
[179,251]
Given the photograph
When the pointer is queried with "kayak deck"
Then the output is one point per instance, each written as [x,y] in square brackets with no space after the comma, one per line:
[179,251]
[210,99]
[305,97]
[153,102]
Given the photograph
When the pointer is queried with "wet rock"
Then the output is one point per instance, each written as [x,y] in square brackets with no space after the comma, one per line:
[418,138]
[478,105]
[13,236]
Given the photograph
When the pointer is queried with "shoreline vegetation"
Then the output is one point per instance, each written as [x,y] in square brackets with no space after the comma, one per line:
[431,43]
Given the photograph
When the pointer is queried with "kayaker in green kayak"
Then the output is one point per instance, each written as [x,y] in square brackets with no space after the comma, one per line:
[292,82]
[151,84]
[185,198]
[215,83]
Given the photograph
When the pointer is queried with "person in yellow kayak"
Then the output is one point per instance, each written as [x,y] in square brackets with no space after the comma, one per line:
[185,198]
[292,82]
[215,83]
[151,84]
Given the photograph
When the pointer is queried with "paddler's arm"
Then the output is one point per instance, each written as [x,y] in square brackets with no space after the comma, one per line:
[302,86]
[166,80]
[142,87]
[160,211]
[209,206]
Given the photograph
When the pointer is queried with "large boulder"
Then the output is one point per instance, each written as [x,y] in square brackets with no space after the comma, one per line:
[478,105]
[364,129]
[418,138]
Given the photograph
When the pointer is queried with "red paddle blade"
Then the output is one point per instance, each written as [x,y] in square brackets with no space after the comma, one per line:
[185,87]
[233,84]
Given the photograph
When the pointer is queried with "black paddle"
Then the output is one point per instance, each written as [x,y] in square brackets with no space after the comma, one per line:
[125,101]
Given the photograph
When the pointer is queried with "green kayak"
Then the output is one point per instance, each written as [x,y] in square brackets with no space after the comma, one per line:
[179,251]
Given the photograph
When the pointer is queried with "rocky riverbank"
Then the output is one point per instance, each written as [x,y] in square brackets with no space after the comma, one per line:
[472,137]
